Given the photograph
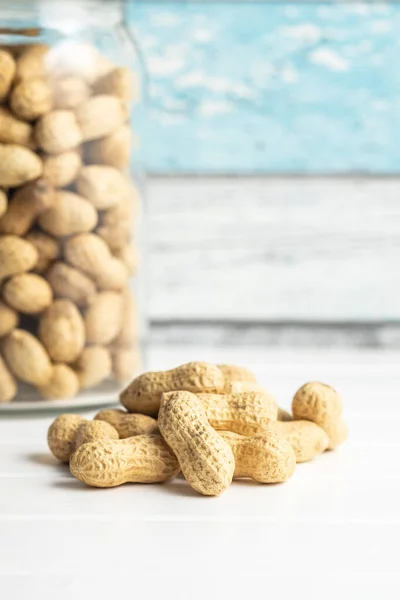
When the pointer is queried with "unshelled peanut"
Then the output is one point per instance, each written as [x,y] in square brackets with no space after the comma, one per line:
[144,393]
[141,459]
[266,458]
[62,331]
[18,165]
[48,250]
[26,204]
[113,149]
[103,186]
[7,70]
[28,293]
[13,130]
[27,357]
[99,116]
[93,366]
[206,459]
[71,284]
[236,373]
[8,385]
[127,424]
[104,318]
[320,403]
[8,319]
[71,214]
[31,98]
[246,413]
[283,415]
[62,169]
[16,256]
[64,383]
[68,432]
[306,438]
[57,132]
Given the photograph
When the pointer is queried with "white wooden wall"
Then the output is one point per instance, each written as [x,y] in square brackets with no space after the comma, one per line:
[274,249]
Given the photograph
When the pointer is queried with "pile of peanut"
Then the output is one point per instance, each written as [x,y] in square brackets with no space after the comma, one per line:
[213,423]
[67,316]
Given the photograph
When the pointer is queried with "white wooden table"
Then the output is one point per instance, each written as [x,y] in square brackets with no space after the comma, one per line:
[331,532]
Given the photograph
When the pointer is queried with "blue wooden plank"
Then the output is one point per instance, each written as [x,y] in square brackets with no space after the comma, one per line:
[270,87]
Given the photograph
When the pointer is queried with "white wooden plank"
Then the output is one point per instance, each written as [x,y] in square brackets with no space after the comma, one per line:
[314,249]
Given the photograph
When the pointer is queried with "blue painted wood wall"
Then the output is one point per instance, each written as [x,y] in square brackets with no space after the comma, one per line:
[274,87]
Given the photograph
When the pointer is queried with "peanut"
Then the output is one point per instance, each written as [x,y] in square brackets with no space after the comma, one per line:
[62,331]
[14,131]
[206,460]
[116,237]
[64,383]
[283,415]
[47,248]
[71,284]
[8,319]
[113,149]
[267,458]
[248,413]
[16,256]
[93,366]
[91,254]
[130,257]
[99,116]
[7,72]
[31,62]
[306,438]
[61,169]
[125,364]
[118,82]
[28,293]
[321,404]
[3,203]
[69,92]
[144,393]
[27,203]
[71,214]
[27,357]
[57,132]
[68,432]
[142,459]
[123,212]
[103,318]
[127,424]
[31,98]
[103,186]
[8,386]
[235,373]
[18,165]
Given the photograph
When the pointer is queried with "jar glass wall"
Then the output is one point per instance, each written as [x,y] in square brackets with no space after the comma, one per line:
[69,201]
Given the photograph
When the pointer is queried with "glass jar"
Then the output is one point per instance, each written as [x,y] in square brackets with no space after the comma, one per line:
[69,201]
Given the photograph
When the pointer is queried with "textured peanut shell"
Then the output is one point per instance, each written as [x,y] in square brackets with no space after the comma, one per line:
[8,385]
[28,293]
[62,169]
[237,387]
[236,373]
[18,165]
[142,459]
[7,72]
[266,458]
[320,403]
[307,439]
[87,252]
[71,284]
[13,130]
[126,424]
[283,415]
[206,459]
[8,319]
[113,150]
[118,82]
[62,331]
[27,357]
[48,250]
[93,366]
[115,236]
[69,92]
[144,393]
[124,212]
[103,186]
[113,275]
[26,204]
[31,98]
[63,383]
[246,413]
[71,214]
[103,318]
[129,333]
[93,431]
[16,256]
[61,435]
[99,116]
[129,255]
[58,132]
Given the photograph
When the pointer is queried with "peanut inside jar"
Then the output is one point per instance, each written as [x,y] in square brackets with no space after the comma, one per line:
[68,210]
